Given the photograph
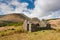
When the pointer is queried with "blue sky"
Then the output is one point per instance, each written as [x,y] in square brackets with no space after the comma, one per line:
[30,2]
[32,8]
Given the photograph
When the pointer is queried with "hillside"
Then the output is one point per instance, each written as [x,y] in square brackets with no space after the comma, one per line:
[14,17]
[55,23]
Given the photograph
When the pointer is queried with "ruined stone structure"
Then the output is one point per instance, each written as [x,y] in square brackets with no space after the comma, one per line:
[29,26]
[48,25]
[33,26]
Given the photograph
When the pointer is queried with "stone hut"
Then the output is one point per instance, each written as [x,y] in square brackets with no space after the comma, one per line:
[30,26]
[34,25]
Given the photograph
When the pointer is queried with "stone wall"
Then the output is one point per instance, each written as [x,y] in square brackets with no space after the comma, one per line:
[28,26]
[31,27]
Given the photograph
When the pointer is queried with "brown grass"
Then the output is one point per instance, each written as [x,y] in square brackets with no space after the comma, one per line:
[39,35]
[8,30]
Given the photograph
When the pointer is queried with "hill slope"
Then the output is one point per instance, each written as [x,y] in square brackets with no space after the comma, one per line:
[15,17]
[55,23]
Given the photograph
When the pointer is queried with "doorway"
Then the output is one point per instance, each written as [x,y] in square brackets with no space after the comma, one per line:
[27,27]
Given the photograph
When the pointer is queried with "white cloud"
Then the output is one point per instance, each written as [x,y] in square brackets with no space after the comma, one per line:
[44,8]
[8,9]
[5,8]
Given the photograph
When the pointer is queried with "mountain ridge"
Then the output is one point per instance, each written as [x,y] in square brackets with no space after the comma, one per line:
[14,17]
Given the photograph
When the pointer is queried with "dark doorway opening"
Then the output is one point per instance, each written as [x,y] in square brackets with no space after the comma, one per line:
[27,27]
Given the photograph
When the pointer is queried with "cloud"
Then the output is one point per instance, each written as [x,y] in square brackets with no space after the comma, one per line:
[19,7]
[46,8]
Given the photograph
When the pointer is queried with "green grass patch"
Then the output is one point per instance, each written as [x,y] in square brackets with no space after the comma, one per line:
[9,23]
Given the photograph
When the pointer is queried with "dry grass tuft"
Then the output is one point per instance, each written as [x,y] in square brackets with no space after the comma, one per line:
[39,35]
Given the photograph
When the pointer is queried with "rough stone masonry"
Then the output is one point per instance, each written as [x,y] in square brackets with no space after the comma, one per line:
[29,26]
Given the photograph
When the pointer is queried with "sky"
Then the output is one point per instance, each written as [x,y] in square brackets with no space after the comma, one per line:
[42,9]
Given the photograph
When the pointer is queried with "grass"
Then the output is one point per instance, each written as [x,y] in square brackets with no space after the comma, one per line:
[14,24]
[6,32]
[10,27]
[10,23]
[39,35]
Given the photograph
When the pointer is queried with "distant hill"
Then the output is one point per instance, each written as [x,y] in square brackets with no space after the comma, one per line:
[55,23]
[35,19]
[15,17]
[52,19]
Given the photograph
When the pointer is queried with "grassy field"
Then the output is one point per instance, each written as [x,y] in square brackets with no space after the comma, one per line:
[39,35]
[9,30]
[14,31]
